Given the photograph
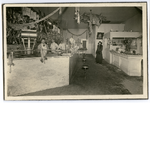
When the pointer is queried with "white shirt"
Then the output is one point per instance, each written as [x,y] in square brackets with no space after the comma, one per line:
[54,46]
[62,46]
[44,47]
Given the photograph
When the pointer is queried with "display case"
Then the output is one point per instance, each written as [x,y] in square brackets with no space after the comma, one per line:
[116,40]
[123,49]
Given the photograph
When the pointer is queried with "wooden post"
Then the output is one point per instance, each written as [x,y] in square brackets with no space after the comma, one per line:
[24,45]
[33,45]
[28,52]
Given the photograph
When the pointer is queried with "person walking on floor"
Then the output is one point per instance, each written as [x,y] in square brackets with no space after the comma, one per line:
[99,56]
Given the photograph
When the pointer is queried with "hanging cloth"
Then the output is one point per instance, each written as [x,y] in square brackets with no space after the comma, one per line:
[76,34]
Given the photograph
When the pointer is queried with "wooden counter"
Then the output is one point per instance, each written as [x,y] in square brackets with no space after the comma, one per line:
[30,75]
[130,64]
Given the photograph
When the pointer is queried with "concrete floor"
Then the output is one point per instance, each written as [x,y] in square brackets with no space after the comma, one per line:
[101,79]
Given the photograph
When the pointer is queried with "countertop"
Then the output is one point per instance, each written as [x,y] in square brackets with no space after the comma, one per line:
[33,56]
[126,55]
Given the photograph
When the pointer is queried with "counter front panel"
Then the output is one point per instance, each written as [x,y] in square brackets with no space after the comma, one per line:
[30,75]
[130,64]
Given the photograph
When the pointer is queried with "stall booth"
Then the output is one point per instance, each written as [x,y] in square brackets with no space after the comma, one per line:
[124,51]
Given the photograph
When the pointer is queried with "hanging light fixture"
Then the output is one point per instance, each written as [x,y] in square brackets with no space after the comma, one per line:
[76,10]
[77,14]
[78,20]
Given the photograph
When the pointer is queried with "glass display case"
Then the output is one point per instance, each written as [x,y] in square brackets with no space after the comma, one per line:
[123,41]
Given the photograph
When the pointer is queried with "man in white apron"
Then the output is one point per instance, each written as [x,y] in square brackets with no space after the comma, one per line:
[54,47]
[62,46]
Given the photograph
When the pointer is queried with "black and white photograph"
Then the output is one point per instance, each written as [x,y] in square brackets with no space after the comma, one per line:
[75,75]
[75,51]
[100,35]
